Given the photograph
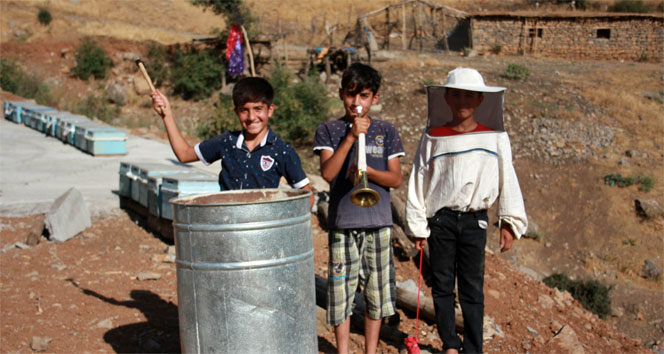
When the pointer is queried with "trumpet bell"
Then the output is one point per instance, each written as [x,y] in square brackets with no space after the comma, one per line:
[365,197]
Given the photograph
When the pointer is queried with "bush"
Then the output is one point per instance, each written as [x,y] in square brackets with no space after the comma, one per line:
[91,60]
[590,293]
[44,17]
[224,119]
[299,107]
[517,72]
[17,81]
[156,64]
[196,75]
[496,49]
[96,107]
[633,6]
[645,183]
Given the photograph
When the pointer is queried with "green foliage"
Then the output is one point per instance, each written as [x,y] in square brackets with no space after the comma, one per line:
[91,60]
[224,119]
[44,17]
[96,107]
[156,64]
[645,183]
[196,75]
[593,295]
[233,11]
[517,72]
[632,6]
[496,49]
[300,107]
[18,81]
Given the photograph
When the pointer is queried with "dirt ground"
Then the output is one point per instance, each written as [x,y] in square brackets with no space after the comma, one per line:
[89,295]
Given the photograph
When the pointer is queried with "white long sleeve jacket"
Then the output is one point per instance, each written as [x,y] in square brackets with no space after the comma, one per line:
[465,172]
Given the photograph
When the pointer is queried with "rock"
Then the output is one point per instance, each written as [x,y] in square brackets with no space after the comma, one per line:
[147,276]
[39,344]
[318,184]
[35,232]
[115,93]
[651,270]
[491,329]
[67,216]
[545,301]
[565,341]
[493,293]
[617,312]
[648,208]
[106,324]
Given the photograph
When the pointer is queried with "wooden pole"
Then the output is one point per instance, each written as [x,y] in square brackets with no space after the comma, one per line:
[403,27]
[386,44]
[251,54]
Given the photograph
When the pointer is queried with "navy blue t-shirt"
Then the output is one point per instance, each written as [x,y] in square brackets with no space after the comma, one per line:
[261,168]
[382,144]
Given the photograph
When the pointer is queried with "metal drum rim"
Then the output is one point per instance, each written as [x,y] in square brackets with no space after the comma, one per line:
[183,201]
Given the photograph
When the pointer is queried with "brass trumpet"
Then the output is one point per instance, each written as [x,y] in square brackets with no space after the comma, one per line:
[364,196]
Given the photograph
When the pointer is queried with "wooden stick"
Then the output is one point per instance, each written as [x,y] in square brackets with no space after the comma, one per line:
[141,67]
[251,55]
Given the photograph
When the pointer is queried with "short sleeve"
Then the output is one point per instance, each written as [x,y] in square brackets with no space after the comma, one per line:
[322,139]
[394,144]
[213,149]
[294,173]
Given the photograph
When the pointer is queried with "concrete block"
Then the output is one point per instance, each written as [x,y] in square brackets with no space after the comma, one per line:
[68,216]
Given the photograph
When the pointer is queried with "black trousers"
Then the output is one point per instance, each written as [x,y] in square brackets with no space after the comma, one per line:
[456,247]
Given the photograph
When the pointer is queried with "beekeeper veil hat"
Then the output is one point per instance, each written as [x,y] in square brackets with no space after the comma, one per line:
[489,113]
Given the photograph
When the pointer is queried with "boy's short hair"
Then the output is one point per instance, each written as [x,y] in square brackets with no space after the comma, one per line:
[252,89]
[358,77]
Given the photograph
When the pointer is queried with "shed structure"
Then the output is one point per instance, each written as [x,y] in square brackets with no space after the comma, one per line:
[570,35]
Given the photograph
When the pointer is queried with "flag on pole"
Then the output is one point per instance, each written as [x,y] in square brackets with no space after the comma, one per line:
[234,53]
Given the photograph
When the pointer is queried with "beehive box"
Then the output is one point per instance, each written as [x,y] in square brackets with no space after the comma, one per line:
[139,189]
[126,178]
[34,116]
[14,110]
[105,141]
[66,127]
[80,130]
[181,185]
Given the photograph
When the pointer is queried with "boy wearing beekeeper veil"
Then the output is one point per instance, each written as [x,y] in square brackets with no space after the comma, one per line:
[462,166]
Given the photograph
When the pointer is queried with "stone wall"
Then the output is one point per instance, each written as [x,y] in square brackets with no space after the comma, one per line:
[628,38]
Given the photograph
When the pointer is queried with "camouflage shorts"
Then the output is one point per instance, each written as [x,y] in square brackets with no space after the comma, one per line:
[360,258]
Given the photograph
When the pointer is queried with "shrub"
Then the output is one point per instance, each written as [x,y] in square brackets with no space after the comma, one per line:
[496,49]
[300,107]
[224,119]
[590,293]
[96,107]
[17,81]
[91,60]
[156,64]
[196,75]
[517,72]
[44,17]
[633,6]
[645,183]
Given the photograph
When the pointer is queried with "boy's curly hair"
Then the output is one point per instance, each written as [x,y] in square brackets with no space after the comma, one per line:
[360,76]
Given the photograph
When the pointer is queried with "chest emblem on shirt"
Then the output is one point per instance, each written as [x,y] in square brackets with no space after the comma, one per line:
[266,162]
[380,140]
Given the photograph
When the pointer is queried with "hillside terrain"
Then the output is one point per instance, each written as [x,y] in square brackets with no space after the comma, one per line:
[571,123]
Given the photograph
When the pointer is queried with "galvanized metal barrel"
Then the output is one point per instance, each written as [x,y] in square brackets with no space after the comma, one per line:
[245,272]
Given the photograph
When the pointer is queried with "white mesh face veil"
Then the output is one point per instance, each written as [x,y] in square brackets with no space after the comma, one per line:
[489,113]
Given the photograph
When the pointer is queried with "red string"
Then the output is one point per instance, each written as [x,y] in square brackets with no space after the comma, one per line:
[417,313]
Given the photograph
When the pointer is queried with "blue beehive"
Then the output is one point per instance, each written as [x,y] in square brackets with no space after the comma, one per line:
[52,118]
[126,178]
[181,185]
[14,110]
[80,130]
[139,189]
[105,141]
[34,116]
[66,127]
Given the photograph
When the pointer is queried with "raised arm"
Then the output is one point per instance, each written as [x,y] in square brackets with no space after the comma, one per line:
[183,151]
